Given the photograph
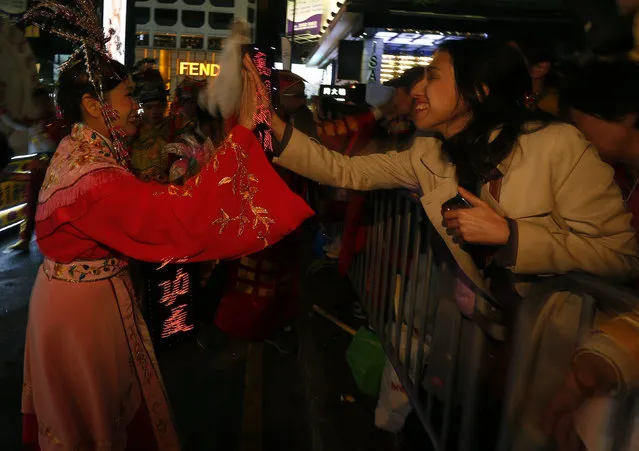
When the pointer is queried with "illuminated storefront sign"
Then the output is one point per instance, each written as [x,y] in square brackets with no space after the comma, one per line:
[198,69]
[350,93]
[115,19]
[305,16]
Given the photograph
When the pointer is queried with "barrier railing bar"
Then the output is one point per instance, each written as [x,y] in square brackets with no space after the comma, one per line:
[379,256]
[361,269]
[403,275]
[422,326]
[410,323]
[470,394]
[397,222]
[587,314]
[450,379]
[370,257]
[384,297]
[403,378]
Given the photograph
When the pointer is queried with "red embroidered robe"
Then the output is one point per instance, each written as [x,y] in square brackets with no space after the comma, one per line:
[92,208]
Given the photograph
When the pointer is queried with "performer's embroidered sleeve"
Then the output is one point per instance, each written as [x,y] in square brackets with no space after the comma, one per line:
[236,206]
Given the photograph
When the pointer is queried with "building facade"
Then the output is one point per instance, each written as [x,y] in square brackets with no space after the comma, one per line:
[185,36]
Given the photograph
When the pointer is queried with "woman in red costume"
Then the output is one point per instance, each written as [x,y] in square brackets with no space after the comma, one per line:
[91,379]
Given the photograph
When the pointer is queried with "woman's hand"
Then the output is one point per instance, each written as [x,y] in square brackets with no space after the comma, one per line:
[477,225]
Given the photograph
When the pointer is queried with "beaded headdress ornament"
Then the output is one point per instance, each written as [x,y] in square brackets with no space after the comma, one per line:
[77,22]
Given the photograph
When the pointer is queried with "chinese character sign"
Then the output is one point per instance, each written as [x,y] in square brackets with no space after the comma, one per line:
[170,304]
[350,93]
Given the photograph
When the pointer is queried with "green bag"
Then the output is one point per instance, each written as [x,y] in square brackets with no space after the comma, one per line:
[366,358]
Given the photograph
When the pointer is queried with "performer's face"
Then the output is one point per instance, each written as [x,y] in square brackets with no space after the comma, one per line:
[154,112]
[122,100]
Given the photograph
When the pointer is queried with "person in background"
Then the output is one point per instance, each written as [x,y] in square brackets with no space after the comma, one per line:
[539,58]
[603,102]
[291,105]
[148,159]
[184,109]
[631,7]
[45,136]
[395,131]
[399,128]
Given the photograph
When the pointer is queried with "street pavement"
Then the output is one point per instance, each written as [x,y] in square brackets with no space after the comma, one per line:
[17,274]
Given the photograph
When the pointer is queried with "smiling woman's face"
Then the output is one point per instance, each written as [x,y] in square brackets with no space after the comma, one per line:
[438,106]
[122,100]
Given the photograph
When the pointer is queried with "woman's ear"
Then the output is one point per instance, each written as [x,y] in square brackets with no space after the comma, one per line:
[91,106]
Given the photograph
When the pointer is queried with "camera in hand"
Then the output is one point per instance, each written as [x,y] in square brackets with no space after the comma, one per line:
[455,203]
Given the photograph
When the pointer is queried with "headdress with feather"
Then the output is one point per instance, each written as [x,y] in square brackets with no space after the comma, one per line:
[77,22]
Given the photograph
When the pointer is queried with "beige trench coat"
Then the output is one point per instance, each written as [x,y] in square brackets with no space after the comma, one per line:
[570,217]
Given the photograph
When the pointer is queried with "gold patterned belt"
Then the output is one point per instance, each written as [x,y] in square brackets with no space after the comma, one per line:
[83,270]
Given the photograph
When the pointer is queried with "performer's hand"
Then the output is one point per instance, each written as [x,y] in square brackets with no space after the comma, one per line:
[477,225]
[277,125]
[248,103]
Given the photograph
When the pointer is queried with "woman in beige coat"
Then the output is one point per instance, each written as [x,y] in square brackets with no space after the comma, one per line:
[540,201]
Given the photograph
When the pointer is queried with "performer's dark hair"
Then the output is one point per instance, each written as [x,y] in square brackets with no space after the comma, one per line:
[74,83]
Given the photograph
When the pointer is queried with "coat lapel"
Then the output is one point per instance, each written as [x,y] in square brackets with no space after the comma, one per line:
[445,188]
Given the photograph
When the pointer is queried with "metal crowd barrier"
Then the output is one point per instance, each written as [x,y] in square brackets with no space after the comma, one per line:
[13,191]
[405,279]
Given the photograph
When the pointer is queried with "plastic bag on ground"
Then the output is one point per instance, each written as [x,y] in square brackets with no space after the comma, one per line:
[366,358]
[393,406]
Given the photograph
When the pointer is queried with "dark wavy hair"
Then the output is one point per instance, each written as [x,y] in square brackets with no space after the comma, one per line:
[74,83]
[492,81]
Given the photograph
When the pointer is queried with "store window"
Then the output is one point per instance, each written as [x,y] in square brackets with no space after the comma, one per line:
[164,40]
[142,39]
[142,16]
[223,3]
[250,14]
[194,2]
[215,44]
[192,19]
[191,42]
[166,17]
[220,21]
